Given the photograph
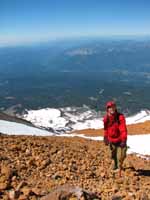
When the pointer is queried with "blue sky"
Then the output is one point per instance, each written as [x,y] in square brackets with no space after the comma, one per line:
[38,20]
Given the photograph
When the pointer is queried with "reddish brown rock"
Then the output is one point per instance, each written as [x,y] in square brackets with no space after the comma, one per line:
[42,164]
[4,185]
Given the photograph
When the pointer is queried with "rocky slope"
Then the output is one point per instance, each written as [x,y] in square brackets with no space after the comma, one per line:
[31,167]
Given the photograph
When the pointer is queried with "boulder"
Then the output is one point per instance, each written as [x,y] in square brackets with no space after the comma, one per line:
[70,193]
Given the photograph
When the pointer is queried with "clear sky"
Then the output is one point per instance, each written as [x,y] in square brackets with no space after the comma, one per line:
[38,20]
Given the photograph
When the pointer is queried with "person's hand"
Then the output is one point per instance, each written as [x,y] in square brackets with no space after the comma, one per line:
[123,144]
[106,141]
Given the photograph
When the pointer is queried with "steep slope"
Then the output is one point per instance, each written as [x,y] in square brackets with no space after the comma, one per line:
[34,166]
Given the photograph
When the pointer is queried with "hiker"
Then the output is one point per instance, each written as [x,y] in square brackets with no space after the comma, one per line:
[115,134]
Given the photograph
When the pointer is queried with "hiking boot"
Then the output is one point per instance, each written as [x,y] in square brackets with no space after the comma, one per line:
[115,166]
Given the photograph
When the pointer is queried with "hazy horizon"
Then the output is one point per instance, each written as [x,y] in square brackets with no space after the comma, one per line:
[25,22]
[77,38]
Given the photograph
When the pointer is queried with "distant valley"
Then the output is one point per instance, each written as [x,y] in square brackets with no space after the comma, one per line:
[76,73]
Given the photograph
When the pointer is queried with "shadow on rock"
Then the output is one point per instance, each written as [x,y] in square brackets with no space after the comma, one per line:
[67,192]
[142,172]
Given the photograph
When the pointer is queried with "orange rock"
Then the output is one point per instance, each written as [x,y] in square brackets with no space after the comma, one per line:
[4,185]
[76,161]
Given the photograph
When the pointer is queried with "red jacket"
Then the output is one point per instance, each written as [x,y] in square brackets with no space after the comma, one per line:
[115,128]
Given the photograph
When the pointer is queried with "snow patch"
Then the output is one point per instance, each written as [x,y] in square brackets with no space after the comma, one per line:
[47,118]
[139,144]
[64,120]
[142,116]
[13,128]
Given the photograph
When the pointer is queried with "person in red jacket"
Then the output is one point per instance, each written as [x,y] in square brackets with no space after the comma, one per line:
[115,134]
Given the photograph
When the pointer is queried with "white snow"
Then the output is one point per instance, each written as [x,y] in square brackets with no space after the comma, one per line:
[13,128]
[75,118]
[139,144]
[142,116]
[49,118]
[69,118]
[95,123]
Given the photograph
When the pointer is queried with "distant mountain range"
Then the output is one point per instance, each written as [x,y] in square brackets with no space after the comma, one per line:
[76,72]
[125,56]
[97,55]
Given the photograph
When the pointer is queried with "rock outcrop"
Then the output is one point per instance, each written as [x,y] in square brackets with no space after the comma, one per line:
[70,193]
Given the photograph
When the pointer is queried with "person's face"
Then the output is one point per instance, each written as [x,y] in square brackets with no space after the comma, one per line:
[111,110]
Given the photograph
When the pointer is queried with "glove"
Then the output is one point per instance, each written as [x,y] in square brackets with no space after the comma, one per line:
[123,144]
[106,141]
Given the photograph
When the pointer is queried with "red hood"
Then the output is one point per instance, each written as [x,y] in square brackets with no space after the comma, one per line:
[110,104]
